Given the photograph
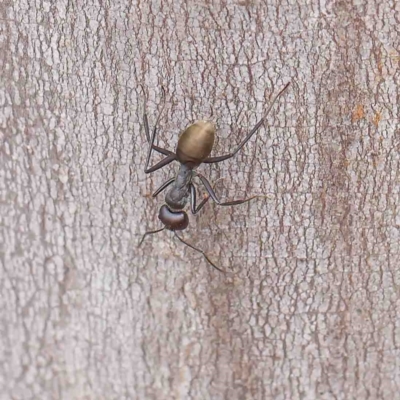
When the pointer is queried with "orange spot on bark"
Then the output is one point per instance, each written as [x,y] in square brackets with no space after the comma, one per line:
[377,118]
[380,67]
[358,113]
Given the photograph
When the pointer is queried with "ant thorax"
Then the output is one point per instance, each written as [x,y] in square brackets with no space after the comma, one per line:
[178,195]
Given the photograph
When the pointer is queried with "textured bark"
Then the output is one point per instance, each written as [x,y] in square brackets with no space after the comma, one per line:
[311,308]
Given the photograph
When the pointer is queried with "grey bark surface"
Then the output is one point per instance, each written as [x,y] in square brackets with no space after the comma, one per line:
[311,307]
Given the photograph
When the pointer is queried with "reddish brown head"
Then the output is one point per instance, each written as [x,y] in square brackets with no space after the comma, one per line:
[173,220]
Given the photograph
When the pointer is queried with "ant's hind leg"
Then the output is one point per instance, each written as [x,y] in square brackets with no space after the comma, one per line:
[170,156]
[212,160]
[147,130]
[165,161]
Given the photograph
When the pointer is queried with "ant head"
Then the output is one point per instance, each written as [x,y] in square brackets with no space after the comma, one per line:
[173,220]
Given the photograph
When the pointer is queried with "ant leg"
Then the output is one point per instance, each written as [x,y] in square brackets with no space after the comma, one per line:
[212,194]
[200,251]
[146,126]
[193,196]
[165,161]
[150,233]
[156,148]
[162,151]
[218,159]
[162,187]
[170,157]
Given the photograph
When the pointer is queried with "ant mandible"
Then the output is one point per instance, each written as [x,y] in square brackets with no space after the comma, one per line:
[194,147]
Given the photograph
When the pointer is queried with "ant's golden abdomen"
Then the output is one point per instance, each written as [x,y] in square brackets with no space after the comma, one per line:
[195,143]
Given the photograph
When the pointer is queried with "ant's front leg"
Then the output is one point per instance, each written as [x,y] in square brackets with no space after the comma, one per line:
[163,187]
[217,159]
[212,194]
[193,196]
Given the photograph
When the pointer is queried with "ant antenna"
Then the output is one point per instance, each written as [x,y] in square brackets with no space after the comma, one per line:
[276,98]
[150,233]
[200,251]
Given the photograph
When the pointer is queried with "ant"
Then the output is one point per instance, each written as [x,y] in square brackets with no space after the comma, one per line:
[194,147]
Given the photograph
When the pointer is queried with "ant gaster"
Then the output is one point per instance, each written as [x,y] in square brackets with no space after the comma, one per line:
[194,147]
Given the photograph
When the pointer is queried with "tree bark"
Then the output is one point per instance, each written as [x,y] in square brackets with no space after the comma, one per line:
[309,308]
